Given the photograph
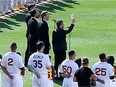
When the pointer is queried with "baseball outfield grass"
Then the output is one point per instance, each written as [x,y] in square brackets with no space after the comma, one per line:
[94,32]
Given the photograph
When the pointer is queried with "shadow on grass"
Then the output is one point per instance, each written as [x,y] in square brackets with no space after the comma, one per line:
[72,1]
[10,22]
[19,17]
[50,8]
[4,25]
[1,31]
[58,82]
[7,24]
[57,5]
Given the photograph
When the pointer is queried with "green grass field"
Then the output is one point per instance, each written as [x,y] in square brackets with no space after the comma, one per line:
[94,31]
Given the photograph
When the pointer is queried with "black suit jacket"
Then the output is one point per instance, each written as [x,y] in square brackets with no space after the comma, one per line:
[59,38]
[43,35]
[27,18]
[33,32]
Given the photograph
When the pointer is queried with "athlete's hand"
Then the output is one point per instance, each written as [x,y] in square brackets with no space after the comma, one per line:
[102,81]
[68,75]
[38,75]
[22,73]
[10,76]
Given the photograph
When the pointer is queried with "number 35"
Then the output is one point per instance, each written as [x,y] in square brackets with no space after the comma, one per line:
[37,63]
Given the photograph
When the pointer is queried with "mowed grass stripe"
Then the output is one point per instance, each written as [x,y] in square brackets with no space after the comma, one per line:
[94,31]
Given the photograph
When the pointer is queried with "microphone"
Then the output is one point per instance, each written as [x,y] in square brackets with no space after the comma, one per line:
[54,20]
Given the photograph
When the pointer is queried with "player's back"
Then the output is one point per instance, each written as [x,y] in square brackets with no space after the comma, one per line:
[12,62]
[103,71]
[69,67]
[40,62]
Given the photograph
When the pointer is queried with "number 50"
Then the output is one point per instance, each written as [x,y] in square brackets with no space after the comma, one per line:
[67,69]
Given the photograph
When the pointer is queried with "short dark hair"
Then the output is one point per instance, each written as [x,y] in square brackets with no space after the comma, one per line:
[33,13]
[110,60]
[72,52]
[31,6]
[85,61]
[43,13]
[78,62]
[102,56]
[40,44]
[59,23]
[13,45]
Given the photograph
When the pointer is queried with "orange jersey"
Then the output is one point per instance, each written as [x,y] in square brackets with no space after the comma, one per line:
[50,76]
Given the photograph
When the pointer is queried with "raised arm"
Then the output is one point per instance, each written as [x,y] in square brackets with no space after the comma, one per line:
[71,27]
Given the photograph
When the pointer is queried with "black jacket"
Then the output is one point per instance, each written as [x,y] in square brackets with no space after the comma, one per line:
[43,31]
[59,38]
[27,18]
[33,32]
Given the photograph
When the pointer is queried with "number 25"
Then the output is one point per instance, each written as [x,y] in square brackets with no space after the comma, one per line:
[101,71]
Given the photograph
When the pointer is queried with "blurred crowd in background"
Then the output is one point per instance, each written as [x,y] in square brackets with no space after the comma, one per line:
[9,6]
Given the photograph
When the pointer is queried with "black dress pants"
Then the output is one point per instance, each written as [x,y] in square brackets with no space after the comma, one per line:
[60,56]
[31,48]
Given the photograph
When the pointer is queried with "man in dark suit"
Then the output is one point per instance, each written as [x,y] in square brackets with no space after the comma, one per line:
[43,30]
[27,18]
[59,43]
[33,33]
